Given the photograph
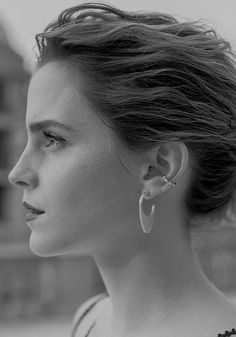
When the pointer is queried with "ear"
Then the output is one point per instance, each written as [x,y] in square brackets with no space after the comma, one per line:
[170,160]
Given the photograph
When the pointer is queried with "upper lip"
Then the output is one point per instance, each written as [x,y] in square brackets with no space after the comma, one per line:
[32,208]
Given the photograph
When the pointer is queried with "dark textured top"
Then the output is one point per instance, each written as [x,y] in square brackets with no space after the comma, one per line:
[85,318]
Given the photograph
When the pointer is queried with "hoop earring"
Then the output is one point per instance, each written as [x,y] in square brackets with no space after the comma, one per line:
[146,221]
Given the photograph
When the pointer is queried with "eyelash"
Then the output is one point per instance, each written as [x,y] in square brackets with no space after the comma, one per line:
[59,141]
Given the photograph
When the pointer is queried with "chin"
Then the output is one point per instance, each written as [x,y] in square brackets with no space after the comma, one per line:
[42,248]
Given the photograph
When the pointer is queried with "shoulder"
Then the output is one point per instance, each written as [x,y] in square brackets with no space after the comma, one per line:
[86,314]
[217,319]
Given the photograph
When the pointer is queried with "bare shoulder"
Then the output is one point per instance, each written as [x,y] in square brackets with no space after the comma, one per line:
[227,310]
[205,318]
[221,317]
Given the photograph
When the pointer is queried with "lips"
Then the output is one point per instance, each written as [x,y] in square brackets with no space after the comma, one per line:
[32,210]
[32,216]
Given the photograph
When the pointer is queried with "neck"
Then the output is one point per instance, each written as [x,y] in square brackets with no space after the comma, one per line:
[149,287]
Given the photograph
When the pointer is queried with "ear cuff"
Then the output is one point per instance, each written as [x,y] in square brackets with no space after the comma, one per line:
[168,182]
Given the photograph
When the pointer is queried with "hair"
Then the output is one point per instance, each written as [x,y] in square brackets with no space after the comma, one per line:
[155,80]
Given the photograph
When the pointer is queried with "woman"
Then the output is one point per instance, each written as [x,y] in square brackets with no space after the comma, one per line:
[131,146]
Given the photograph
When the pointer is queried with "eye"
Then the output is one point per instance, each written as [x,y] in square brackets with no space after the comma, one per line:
[53,140]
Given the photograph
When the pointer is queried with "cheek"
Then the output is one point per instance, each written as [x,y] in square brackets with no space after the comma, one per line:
[90,199]
[87,185]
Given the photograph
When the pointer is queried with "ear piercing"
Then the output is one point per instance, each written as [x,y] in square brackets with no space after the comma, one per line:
[168,182]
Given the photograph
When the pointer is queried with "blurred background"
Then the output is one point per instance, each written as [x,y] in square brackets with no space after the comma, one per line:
[39,295]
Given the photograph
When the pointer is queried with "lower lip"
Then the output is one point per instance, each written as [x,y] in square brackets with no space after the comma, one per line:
[32,216]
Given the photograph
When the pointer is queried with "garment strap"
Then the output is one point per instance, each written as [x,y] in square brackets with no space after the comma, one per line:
[84,310]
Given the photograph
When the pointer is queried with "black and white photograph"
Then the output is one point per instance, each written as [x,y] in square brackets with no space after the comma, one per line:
[117,168]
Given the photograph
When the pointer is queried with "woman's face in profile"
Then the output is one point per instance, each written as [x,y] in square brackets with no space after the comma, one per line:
[70,169]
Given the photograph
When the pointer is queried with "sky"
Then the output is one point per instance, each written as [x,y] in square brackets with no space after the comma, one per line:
[25,18]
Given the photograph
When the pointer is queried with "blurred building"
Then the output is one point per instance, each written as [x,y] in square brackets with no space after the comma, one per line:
[29,285]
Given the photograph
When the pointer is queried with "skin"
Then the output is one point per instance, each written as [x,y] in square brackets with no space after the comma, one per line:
[89,185]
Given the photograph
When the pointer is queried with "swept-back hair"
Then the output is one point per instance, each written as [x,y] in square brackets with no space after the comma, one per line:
[154,80]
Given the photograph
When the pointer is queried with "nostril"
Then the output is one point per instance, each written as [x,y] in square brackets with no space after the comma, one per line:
[24,180]
[14,180]
[21,184]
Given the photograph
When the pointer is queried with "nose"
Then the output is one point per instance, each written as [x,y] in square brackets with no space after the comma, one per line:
[22,174]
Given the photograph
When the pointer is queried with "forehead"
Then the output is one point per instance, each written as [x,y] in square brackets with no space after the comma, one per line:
[54,93]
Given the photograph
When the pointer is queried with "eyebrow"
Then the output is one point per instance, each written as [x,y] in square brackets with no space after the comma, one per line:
[38,126]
